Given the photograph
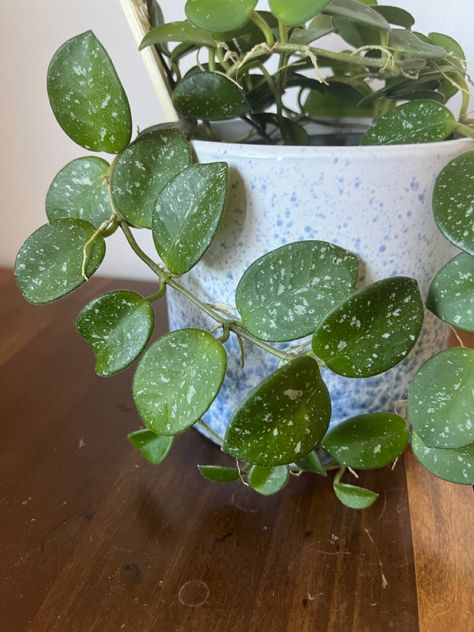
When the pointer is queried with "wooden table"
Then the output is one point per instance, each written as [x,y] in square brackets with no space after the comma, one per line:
[94,538]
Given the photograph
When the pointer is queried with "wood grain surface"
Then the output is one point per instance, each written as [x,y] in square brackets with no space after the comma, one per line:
[94,538]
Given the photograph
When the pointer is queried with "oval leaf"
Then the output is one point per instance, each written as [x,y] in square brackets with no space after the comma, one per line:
[268,480]
[373,330]
[368,441]
[219,474]
[183,32]
[284,294]
[451,295]
[151,446]
[177,380]
[219,17]
[49,264]
[80,190]
[297,11]
[456,466]
[409,44]
[210,97]
[283,418]
[395,15]
[357,13]
[354,497]
[118,326]
[187,215]
[143,170]
[87,97]
[453,202]
[441,400]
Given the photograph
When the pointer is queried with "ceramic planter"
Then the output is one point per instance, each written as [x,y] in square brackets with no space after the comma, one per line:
[374,201]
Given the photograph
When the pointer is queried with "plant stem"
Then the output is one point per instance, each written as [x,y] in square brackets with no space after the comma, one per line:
[339,475]
[465,130]
[161,274]
[209,430]
[263,26]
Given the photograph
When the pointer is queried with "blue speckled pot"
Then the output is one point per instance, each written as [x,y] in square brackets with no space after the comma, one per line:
[374,201]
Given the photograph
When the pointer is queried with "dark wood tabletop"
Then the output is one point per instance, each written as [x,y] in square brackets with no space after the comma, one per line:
[94,538]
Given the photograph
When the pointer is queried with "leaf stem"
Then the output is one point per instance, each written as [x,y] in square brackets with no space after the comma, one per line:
[339,475]
[210,431]
[263,26]
[465,130]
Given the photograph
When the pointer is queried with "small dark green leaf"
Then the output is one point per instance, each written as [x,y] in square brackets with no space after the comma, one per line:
[441,400]
[395,15]
[210,97]
[413,122]
[337,100]
[283,418]
[453,202]
[118,326]
[187,214]
[219,17]
[150,445]
[177,380]
[87,97]
[368,441]
[311,463]
[143,170]
[373,330]
[456,466]
[268,480]
[285,293]
[455,52]
[177,32]
[357,13]
[297,11]
[451,295]
[49,264]
[319,27]
[410,44]
[355,497]
[218,474]
[80,190]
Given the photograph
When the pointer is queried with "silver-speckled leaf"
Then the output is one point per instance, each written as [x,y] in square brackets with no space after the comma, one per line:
[283,295]
[268,480]
[118,326]
[456,466]
[150,445]
[219,17]
[441,400]
[87,97]
[283,418]
[49,264]
[177,380]
[354,497]
[187,214]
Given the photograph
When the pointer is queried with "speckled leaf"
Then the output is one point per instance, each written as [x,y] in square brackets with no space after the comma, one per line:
[268,480]
[87,97]
[118,326]
[456,466]
[187,214]
[144,169]
[219,17]
[357,13]
[177,32]
[354,497]
[150,445]
[283,418]
[219,474]
[177,380]
[297,11]
[49,264]
[373,330]
[368,441]
[451,295]
[284,294]
[80,190]
[453,202]
[441,400]
[210,97]
[311,463]
[395,15]
[410,44]
[421,121]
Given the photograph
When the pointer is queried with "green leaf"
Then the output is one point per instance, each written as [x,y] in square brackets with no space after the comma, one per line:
[219,17]
[118,326]
[451,295]
[456,466]
[177,380]
[441,400]
[337,100]
[218,474]
[87,97]
[373,330]
[210,97]
[455,51]
[285,293]
[151,446]
[297,11]
[177,32]
[453,202]
[283,418]
[368,441]
[354,497]
[414,122]
[143,170]
[187,214]
[357,13]
[80,190]
[397,16]
[268,480]
[49,264]
[319,27]
[411,45]
[311,463]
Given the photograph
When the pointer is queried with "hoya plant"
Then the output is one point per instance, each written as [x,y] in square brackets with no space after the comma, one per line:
[302,291]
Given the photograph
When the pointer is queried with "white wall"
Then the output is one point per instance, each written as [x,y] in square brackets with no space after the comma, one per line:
[33,146]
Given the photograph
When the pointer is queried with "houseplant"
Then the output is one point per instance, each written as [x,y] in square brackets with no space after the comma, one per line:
[306,287]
